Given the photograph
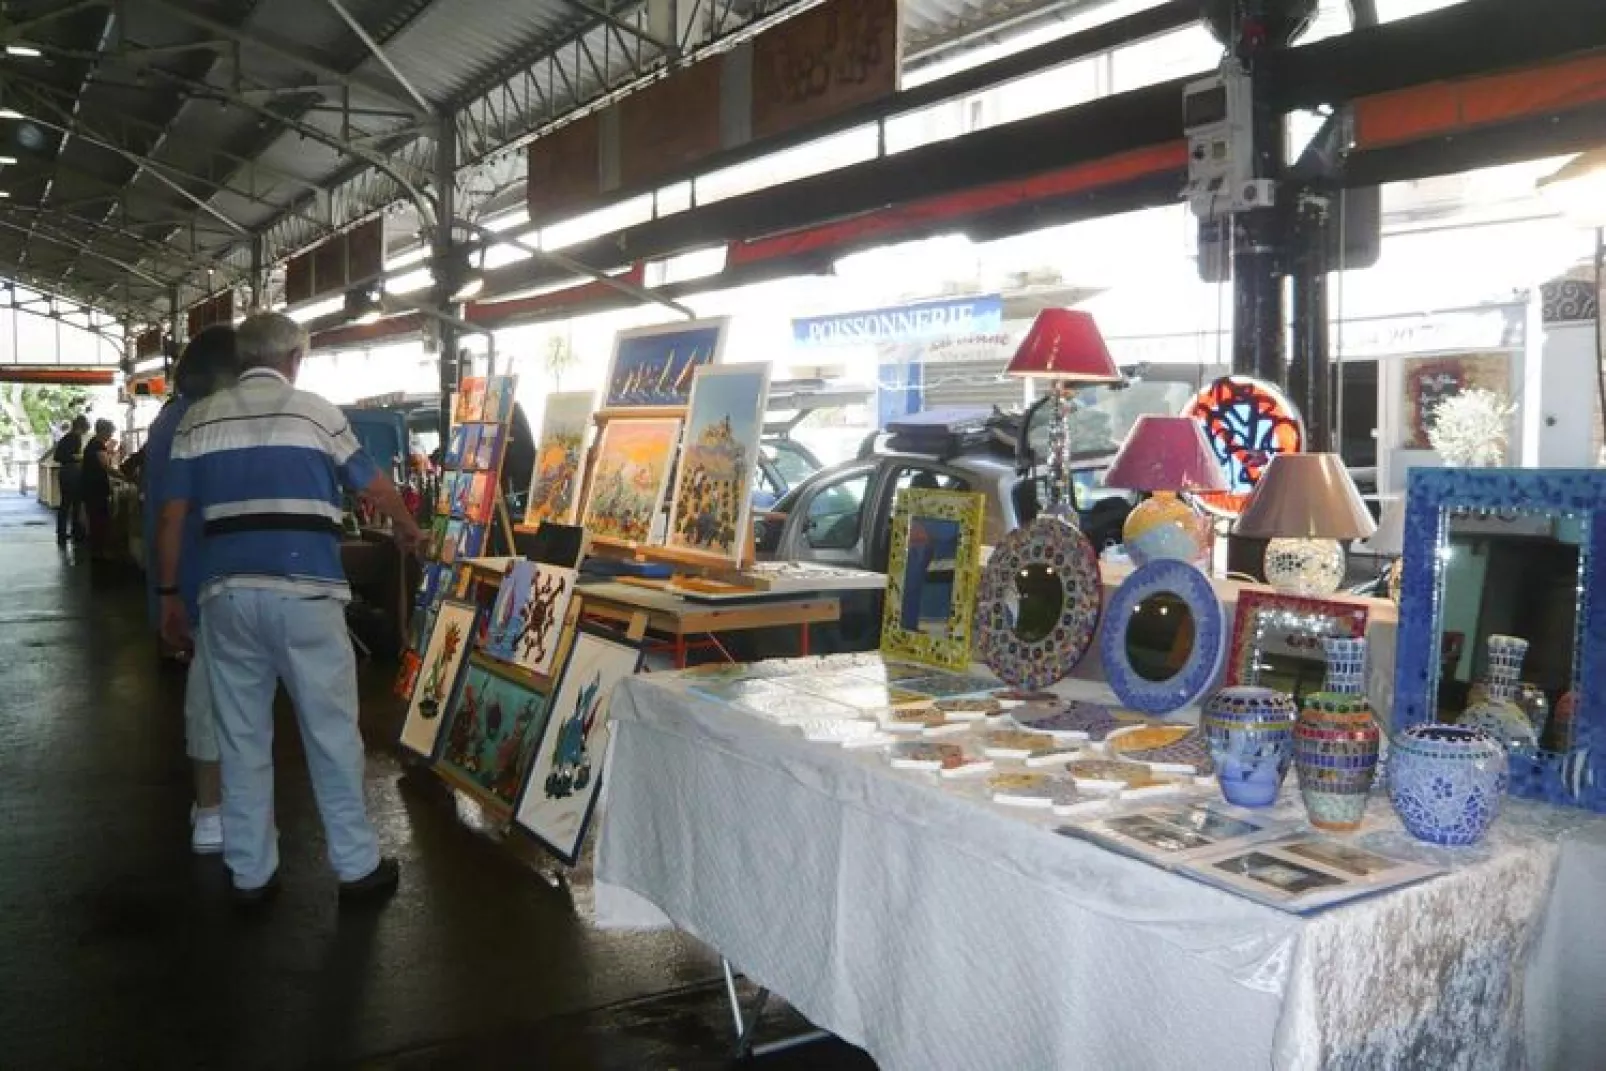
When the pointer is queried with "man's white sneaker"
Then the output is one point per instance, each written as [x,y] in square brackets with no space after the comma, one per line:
[206,831]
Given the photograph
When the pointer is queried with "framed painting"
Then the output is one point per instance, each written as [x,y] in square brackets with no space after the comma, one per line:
[653,366]
[528,616]
[487,448]
[457,445]
[933,572]
[479,500]
[1427,381]
[1277,639]
[708,512]
[561,791]
[1247,422]
[438,670]
[500,394]
[495,721]
[559,458]
[632,465]
[470,400]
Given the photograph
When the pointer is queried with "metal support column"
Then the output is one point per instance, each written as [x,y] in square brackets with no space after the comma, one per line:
[446,213]
[175,334]
[259,272]
[1310,374]
[1258,240]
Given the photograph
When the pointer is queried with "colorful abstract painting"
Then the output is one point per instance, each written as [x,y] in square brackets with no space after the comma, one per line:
[470,400]
[495,721]
[479,498]
[437,673]
[559,459]
[653,366]
[499,398]
[459,445]
[628,479]
[562,787]
[1247,422]
[709,508]
[487,452]
[527,619]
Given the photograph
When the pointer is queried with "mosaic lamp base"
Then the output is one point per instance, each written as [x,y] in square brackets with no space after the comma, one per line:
[1164,527]
[1308,567]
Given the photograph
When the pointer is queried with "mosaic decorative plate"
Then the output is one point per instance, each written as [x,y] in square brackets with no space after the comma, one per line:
[1071,718]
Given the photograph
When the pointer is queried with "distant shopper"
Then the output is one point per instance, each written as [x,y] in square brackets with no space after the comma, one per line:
[264,464]
[69,458]
[209,364]
[96,489]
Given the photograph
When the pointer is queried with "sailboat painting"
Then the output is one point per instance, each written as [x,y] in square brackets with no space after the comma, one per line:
[653,366]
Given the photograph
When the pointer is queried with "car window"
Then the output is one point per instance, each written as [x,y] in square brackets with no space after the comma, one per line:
[935,479]
[834,513]
[764,482]
[791,461]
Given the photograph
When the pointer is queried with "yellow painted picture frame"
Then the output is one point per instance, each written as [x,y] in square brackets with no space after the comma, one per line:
[902,635]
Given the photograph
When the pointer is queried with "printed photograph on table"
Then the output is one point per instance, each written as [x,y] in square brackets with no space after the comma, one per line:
[495,722]
[1303,873]
[708,511]
[562,787]
[632,465]
[1165,834]
[654,366]
[559,459]
[527,620]
[500,393]
[470,400]
[933,572]
[440,663]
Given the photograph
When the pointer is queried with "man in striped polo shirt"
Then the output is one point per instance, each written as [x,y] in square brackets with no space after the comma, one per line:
[265,463]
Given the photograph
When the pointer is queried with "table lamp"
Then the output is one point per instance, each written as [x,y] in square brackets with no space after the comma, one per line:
[1164,455]
[1064,347]
[1304,504]
[1389,540]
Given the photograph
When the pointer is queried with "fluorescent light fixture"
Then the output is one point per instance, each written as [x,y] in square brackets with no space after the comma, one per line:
[149,364]
[502,254]
[11,113]
[8,159]
[4,194]
[25,51]
[412,256]
[684,267]
[506,222]
[410,282]
[317,309]
[372,316]
[470,288]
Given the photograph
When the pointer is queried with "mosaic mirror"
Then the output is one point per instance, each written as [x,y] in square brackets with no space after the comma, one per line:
[1498,594]
[1163,638]
[932,574]
[1039,605]
[1277,639]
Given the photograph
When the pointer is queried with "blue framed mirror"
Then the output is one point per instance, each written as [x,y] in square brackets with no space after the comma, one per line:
[1500,613]
[1163,638]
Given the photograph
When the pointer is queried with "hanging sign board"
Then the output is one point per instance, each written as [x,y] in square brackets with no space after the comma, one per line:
[218,309]
[981,315]
[670,125]
[830,59]
[564,169]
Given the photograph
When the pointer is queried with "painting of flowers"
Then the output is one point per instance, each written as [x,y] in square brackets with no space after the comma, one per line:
[559,457]
[628,479]
[495,722]
[448,644]
[709,509]
[653,366]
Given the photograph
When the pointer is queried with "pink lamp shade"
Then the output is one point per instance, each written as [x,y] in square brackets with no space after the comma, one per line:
[1166,453]
[1065,345]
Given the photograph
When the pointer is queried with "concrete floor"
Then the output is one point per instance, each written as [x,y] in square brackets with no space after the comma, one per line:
[118,948]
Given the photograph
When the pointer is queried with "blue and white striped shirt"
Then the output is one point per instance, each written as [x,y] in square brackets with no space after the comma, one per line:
[264,464]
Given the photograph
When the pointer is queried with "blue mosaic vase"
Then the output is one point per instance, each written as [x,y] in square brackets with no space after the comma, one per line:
[1336,741]
[1251,734]
[1445,782]
[1494,708]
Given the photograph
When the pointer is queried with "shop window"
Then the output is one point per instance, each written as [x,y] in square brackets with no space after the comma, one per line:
[1355,389]
[835,513]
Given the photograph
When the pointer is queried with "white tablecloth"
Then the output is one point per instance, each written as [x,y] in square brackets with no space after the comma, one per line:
[938,930]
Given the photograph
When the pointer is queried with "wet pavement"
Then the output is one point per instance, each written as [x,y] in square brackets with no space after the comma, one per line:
[118,948]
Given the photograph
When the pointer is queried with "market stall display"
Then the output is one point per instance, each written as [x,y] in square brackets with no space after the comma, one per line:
[932,575]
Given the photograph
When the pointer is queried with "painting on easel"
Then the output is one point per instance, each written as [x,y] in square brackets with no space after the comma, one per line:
[495,721]
[527,620]
[559,459]
[653,366]
[709,509]
[629,478]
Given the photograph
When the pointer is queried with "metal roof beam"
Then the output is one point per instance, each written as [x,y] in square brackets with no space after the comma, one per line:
[85,248]
[176,258]
[379,54]
[603,13]
[285,52]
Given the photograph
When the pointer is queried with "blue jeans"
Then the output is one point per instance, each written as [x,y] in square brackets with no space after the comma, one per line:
[254,639]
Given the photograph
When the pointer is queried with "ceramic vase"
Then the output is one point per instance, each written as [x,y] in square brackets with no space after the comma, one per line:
[1251,735]
[1336,741]
[1497,712]
[1445,782]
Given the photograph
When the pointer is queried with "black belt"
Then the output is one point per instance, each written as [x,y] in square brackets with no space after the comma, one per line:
[272,522]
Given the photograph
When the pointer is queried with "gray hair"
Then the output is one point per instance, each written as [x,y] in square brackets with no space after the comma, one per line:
[269,340]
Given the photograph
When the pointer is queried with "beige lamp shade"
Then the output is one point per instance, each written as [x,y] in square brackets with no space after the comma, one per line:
[1306,496]
[1389,539]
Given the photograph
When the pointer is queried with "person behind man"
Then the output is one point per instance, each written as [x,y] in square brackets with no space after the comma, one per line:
[264,463]
[96,489]
[208,364]
[69,458]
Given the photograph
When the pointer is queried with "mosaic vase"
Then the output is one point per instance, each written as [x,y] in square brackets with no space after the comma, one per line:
[1445,782]
[1251,735]
[1497,712]
[1336,741]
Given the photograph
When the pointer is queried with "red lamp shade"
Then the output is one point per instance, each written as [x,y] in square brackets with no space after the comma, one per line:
[1166,453]
[1065,345]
